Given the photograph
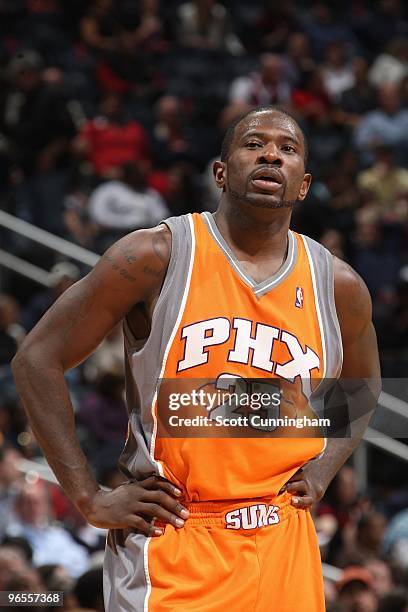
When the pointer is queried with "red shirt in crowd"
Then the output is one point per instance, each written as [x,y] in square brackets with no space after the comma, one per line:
[113,144]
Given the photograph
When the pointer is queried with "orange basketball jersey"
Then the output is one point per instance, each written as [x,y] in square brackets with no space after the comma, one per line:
[213,322]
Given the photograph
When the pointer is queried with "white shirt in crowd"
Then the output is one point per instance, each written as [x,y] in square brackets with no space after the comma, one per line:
[115,205]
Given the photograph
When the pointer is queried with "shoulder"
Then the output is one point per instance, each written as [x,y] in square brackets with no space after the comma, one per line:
[149,243]
[139,259]
[353,301]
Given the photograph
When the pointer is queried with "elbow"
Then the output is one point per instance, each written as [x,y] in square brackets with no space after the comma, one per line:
[27,360]
[20,363]
[17,363]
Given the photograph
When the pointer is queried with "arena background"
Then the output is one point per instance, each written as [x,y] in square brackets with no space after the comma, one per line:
[111,113]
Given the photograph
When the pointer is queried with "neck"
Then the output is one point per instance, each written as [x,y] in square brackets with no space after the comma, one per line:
[254,231]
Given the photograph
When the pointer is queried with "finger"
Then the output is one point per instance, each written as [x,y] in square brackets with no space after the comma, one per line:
[297,487]
[157,482]
[305,502]
[137,522]
[164,500]
[156,511]
[296,476]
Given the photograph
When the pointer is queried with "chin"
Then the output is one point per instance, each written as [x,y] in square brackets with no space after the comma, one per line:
[268,202]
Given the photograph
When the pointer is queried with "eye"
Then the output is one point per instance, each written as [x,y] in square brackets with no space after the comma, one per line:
[289,148]
[252,144]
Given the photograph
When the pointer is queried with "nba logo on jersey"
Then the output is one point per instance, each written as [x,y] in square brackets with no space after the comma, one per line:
[299,297]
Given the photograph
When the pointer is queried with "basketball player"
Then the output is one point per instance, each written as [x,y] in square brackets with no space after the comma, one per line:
[206,524]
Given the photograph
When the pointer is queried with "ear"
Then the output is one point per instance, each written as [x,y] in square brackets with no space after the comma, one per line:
[304,188]
[219,171]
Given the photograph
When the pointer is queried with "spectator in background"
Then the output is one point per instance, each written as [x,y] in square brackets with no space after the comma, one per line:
[10,481]
[103,412]
[38,126]
[88,590]
[382,580]
[99,26]
[76,219]
[337,72]
[391,66]
[323,27]
[384,179]
[343,504]
[19,544]
[11,332]
[404,92]
[327,139]
[171,139]
[395,543]
[28,581]
[378,260]
[151,35]
[120,206]
[47,32]
[269,85]
[108,357]
[298,59]
[50,543]
[385,125]
[361,97]
[140,36]
[275,25]
[310,98]
[56,578]
[356,592]
[365,543]
[62,276]
[122,70]
[12,562]
[333,241]
[110,140]
[394,602]
[206,25]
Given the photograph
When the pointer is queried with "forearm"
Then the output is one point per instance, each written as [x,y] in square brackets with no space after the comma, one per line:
[361,398]
[321,471]
[45,397]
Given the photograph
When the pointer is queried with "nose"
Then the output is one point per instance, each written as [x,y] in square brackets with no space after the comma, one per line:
[270,154]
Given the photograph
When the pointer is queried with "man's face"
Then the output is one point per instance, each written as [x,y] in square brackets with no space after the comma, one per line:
[265,167]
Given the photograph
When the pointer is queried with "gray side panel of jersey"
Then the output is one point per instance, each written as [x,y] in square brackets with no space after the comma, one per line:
[143,365]
[124,577]
[324,275]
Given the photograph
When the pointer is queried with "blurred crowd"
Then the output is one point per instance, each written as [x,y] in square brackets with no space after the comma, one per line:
[111,114]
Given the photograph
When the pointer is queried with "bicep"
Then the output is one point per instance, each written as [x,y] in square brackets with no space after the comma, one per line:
[361,358]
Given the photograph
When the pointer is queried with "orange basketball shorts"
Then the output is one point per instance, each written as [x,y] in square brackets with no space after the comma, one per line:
[258,555]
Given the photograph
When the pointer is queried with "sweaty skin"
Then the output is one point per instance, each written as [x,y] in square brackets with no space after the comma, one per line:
[253,218]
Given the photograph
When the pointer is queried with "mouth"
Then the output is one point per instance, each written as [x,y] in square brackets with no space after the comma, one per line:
[267,179]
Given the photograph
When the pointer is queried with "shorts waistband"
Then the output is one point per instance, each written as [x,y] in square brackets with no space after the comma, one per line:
[244,514]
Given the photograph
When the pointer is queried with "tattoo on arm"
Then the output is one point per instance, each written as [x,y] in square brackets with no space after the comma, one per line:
[161,248]
[125,250]
[122,271]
